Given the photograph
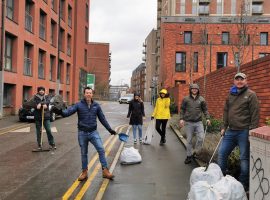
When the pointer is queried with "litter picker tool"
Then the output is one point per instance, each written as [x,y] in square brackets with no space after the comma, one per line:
[213,153]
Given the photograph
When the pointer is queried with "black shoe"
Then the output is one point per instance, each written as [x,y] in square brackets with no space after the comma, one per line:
[53,147]
[188,160]
[164,140]
[161,142]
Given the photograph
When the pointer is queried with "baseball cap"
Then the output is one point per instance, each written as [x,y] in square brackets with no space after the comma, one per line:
[240,74]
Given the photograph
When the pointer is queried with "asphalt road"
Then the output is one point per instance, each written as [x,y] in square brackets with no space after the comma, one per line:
[52,175]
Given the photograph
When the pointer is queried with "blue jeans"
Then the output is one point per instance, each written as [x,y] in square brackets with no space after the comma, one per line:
[94,138]
[134,128]
[231,139]
[47,126]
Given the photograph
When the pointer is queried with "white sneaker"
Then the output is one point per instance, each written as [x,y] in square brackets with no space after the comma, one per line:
[135,141]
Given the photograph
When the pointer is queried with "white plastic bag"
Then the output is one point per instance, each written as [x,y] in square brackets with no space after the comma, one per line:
[201,190]
[212,175]
[149,132]
[130,155]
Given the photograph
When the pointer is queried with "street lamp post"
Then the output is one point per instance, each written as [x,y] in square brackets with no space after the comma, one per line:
[2,59]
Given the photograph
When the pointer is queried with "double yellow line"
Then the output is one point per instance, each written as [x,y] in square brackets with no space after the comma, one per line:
[111,141]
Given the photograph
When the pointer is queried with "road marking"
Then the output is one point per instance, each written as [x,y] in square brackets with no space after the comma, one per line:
[10,129]
[27,129]
[106,181]
[91,163]
[94,173]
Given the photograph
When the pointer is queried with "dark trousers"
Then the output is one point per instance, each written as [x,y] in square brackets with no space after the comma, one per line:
[161,127]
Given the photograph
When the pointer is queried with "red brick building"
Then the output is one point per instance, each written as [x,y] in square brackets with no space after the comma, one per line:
[46,43]
[100,64]
[138,80]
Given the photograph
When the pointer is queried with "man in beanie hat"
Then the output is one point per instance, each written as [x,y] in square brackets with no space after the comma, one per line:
[42,112]
[191,117]
[241,114]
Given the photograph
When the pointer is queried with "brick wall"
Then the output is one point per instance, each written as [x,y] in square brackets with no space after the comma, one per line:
[220,81]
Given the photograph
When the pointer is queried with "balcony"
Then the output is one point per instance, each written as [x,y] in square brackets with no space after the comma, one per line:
[27,70]
[28,22]
[143,58]
[143,51]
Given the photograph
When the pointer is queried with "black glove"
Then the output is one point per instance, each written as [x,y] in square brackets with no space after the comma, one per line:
[112,132]
[152,117]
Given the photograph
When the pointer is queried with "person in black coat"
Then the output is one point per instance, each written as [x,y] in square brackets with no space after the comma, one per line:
[42,102]
[136,115]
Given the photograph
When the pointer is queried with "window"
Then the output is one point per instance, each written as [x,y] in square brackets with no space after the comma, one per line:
[62,9]
[221,59]
[53,3]
[8,91]
[264,39]
[41,64]
[225,37]
[53,33]
[61,42]
[194,7]
[195,62]
[69,45]
[42,25]
[52,68]
[87,13]
[188,37]
[68,74]
[261,55]
[203,9]
[10,9]
[60,71]
[27,60]
[219,7]
[236,59]
[180,64]
[85,57]
[28,17]
[69,16]
[86,35]
[8,53]
[182,7]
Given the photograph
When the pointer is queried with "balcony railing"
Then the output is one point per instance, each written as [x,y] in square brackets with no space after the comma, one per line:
[28,22]
[27,67]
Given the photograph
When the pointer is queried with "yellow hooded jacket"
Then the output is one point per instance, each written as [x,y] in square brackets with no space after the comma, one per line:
[162,108]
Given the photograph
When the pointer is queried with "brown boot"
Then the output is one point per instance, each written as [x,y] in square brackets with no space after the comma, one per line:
[107,174]
[83,175]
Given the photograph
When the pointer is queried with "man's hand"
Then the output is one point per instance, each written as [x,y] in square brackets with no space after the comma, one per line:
[45,106]
[181,123]
[208,122]
[39,106]
[222,132]
[144,118]
[112,132]
[152,117]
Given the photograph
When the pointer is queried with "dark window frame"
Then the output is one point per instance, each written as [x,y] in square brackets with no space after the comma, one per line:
[180,65]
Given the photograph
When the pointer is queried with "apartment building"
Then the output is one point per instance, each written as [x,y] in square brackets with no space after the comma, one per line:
[99,65]
[138,79]
[201,36]
[45,44]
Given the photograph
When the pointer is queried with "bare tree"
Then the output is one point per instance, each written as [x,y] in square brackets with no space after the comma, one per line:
[241,40]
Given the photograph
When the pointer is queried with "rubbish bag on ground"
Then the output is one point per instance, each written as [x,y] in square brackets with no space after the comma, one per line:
[149,133]
[227,188]
[130,156]
[212,175]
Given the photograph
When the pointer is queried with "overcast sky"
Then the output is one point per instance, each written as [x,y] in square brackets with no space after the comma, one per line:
[124,24]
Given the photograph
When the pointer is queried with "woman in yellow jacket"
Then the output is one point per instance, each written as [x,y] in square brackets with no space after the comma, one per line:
[162,114]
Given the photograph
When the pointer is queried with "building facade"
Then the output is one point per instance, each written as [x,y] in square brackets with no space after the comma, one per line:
[45,44]
[99,64]
[201,36]
[138,80]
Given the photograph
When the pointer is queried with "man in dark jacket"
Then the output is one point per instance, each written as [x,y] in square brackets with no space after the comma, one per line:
[191,117]
[88,111]
[136,114]
[42,112]
[241,114]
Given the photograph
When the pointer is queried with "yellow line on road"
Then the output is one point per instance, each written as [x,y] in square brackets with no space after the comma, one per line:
[106,181]
[94,173]
[76,183]
[14,128]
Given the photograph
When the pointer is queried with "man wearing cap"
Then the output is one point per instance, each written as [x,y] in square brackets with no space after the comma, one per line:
[191,111]
[42,112]
[241,114]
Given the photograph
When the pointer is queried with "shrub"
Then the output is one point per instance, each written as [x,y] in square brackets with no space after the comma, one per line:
[173,108]
[215,124]
[267,121]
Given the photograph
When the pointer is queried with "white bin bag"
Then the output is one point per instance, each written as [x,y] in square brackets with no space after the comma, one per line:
[212,175]
[201,190]
[130,155]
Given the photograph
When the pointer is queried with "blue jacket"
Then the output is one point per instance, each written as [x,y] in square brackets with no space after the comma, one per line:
[87,117]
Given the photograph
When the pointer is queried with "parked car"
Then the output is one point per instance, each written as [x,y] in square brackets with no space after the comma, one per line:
[26,112]
[126,98]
